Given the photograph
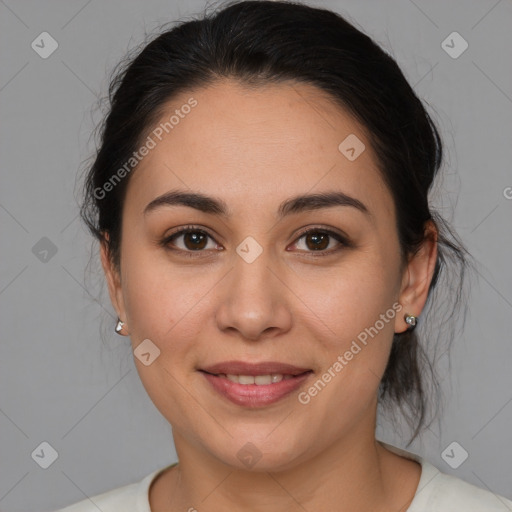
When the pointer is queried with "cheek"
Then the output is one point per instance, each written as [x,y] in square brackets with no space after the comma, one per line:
[165,302]
[354,358]
[357,306]
[167,305]
[351,297]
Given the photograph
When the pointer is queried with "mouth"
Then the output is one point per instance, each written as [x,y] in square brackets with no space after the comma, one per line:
[258,380]
[255,385]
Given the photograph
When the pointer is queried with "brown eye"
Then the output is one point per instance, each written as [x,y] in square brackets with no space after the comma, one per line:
[319,240]
[316,241]
[189,240]
[194,240]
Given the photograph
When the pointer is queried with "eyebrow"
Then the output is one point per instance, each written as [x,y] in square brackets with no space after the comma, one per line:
[294,205]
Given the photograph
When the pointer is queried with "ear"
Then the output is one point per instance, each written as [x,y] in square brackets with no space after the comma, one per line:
[113,277]
[417,277]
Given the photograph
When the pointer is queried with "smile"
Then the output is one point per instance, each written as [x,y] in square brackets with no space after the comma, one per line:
[255,390]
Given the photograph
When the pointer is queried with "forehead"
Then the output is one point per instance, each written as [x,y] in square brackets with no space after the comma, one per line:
[257,146]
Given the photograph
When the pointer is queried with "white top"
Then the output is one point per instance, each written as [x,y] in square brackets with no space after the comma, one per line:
[436,492]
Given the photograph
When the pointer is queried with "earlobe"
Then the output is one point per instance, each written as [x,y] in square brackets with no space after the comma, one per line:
[417,278]
[113,278]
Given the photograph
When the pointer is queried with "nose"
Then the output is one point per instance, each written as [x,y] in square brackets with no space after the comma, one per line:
[254,301]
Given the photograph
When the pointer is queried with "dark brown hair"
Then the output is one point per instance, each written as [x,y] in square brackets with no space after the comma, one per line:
[257,42]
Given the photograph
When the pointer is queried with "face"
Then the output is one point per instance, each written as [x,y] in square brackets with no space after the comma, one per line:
[246,284]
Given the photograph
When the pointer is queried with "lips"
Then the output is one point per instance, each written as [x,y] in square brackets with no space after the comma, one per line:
[254,369]
[255,385]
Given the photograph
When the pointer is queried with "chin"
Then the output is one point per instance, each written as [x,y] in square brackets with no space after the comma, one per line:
[261,454]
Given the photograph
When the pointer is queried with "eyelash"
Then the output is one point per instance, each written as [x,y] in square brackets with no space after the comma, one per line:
[194,229]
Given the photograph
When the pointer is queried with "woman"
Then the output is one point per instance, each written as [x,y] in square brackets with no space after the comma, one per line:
[261,201]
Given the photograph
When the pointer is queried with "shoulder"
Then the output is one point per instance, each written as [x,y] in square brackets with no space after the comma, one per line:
[122,498]
[441,492]
[128,498]
[447,493]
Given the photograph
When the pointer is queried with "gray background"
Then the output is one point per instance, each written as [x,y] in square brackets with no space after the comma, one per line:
[63,383]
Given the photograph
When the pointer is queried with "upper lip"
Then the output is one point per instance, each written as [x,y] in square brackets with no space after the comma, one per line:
[245,368]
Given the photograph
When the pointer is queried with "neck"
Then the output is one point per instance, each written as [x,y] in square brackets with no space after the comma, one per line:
[356,473]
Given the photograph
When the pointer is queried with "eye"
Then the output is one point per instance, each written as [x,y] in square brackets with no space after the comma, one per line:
[192,240]
[318,240]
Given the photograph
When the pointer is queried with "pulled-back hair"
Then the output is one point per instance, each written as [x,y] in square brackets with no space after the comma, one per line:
[261,42]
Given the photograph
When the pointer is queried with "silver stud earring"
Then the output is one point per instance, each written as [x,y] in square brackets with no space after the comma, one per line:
[411,321]
[119,327]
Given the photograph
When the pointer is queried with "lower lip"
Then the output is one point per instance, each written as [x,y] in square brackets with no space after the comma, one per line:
[253,395]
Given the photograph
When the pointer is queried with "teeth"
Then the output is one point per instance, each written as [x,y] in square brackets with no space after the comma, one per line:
[263,380]
[259,380]
[245,379]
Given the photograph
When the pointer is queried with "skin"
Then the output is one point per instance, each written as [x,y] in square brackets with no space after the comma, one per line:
[254,148]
